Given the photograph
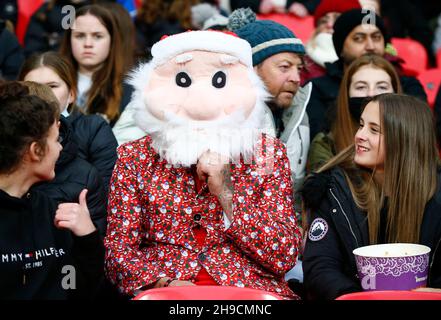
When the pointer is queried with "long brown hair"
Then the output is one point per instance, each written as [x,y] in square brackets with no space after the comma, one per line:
[345,126]
[410,169]
[58,64]
[105,94]
[126,28]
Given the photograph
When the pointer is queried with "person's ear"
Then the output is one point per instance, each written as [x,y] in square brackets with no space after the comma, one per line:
[71,97]
[36,152]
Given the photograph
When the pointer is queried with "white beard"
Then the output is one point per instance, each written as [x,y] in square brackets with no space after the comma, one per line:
[181,141]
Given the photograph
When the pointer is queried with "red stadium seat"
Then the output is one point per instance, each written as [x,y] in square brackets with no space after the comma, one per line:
[302,27]
[431,80]
[206,293]
[391,295]
[412,52]
[26,9]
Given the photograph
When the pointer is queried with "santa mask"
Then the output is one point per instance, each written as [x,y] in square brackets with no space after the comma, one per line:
[200,93]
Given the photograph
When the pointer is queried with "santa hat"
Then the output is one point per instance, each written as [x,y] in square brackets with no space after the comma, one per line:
[341,6]
[214,41]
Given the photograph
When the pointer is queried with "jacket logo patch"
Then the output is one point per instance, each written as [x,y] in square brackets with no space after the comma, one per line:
[318,230]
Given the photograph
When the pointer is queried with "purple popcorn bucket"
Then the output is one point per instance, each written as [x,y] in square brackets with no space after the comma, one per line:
[392,266]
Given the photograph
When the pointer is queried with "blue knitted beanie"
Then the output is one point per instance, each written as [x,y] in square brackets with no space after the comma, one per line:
[268,38]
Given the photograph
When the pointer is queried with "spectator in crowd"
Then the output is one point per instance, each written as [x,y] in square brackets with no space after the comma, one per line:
[11,53]
[385,188]
[94,47]
[320,49]
[43,239]
[355,33]
[204,198]
[94,137]
[72,174]
[279,62]
[366,77]
[299,8]
[45,29]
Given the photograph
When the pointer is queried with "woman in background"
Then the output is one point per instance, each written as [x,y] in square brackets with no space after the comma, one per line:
[365,78]
[94,47]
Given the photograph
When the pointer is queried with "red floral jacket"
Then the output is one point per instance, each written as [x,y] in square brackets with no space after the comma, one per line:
[153,208]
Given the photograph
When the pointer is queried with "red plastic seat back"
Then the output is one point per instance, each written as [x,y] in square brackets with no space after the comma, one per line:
[391,295]
[302,27]
[206,293]
[431,80]
[412,52]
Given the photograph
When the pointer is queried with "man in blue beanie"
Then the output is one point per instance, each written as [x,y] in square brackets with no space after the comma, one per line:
[356,32]
[278,59]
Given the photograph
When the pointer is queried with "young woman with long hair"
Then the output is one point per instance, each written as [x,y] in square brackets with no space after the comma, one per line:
[384,188]
[94,47]
[94,137]
[366,77]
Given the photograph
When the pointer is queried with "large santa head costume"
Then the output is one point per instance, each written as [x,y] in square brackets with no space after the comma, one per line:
[200,93]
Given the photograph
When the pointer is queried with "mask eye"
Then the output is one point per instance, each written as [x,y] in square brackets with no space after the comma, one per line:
[219,79]
[183,80]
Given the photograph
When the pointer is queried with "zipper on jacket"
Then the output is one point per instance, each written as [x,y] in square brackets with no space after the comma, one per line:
[344,213]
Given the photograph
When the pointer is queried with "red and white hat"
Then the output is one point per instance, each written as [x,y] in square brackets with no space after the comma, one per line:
[214,41]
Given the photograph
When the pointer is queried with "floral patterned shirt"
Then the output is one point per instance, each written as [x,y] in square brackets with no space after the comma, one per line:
[154,206]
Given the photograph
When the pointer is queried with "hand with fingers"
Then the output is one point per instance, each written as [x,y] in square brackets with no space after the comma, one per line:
[75,216]
[215,169]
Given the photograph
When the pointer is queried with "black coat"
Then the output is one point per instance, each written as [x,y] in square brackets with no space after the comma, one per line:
[328,264]
[325,91]
[11,54]
[34,252]
[72,175]
[96,143]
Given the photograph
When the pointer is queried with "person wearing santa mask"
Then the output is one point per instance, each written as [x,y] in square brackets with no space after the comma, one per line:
[204,198]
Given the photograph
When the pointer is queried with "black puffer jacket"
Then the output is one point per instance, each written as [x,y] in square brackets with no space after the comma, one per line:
[325,91]
[328,263]
[73,174]
[96,143]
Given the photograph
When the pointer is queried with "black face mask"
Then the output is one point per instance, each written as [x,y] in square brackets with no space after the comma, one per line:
[356,106]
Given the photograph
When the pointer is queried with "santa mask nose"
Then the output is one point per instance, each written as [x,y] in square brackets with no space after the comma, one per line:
[200,106]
